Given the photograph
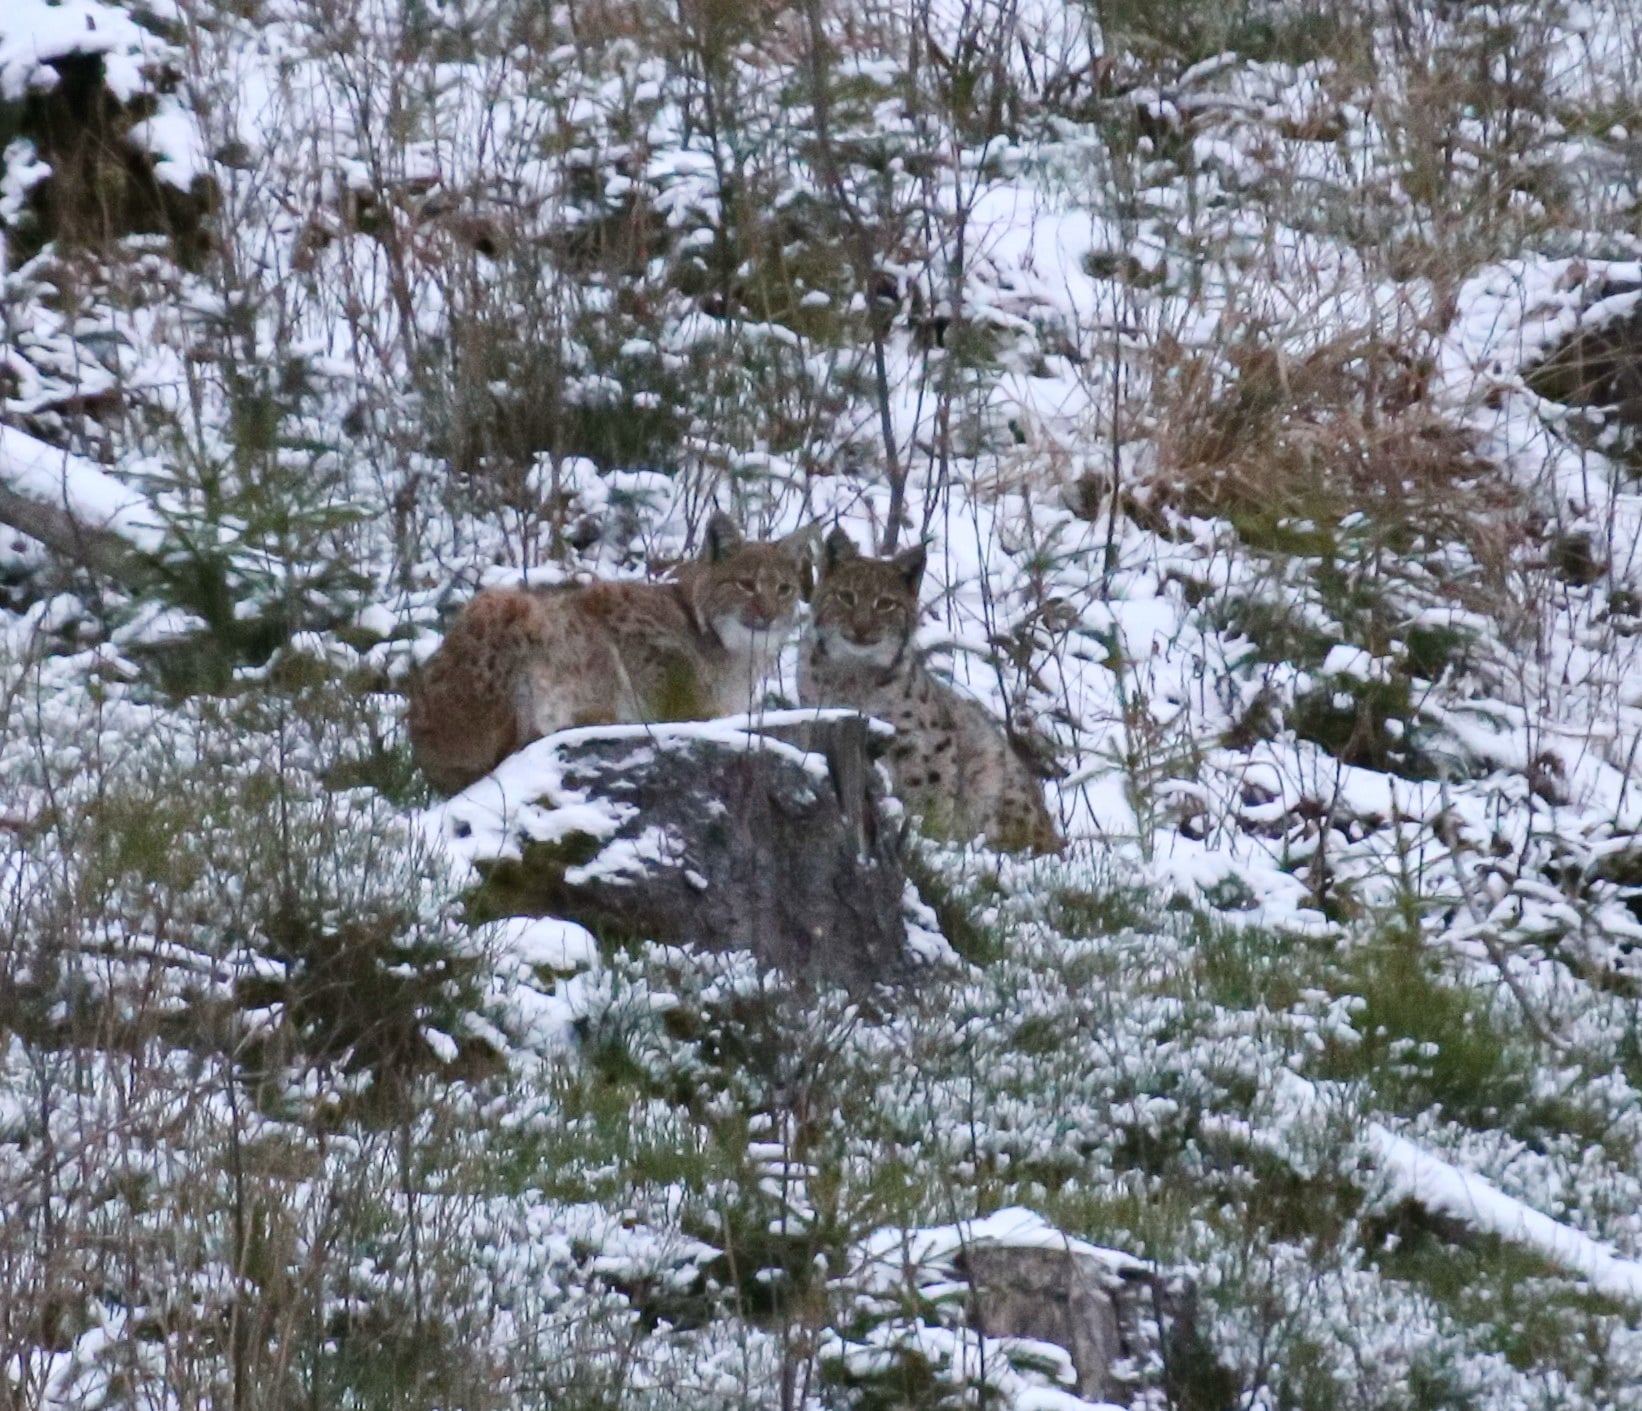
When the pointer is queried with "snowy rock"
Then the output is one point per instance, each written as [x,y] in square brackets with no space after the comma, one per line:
[1116,1317]
[109,151]
[1114,1329]
[1598,363]
[770,838]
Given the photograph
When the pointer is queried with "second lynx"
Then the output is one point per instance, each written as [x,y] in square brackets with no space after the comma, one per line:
[951,762]
[521,663]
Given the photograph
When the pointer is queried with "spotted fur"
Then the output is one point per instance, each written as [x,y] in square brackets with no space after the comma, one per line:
[951,762]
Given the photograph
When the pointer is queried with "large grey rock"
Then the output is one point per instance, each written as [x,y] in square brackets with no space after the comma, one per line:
[772,838]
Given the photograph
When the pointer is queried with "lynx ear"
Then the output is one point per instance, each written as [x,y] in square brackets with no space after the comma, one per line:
[803,547]
[722,539]
[909,563]
[801,544]
[839,547]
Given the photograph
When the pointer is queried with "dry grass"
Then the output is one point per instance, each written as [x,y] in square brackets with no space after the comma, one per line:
[1261,440]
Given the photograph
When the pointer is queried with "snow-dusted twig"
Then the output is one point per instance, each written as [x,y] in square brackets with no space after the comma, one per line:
[1447,833]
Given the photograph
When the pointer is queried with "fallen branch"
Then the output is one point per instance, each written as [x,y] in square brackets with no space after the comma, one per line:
[96,549]
[76,510]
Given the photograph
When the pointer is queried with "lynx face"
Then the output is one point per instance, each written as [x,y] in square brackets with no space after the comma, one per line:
[745,594]
[866,609]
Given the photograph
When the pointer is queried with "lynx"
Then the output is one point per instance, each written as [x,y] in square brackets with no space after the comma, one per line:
[951,762]
[521,663]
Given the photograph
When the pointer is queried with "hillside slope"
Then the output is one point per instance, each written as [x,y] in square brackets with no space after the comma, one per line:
[1264,377]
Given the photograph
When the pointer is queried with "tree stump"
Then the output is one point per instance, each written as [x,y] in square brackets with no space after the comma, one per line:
[1127,1326]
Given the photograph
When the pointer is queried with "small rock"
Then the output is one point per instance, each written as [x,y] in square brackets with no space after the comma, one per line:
[1122,1321]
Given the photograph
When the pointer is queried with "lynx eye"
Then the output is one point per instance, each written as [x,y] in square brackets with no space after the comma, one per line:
[747,585]
[846,597]
[785,590]
[885,604]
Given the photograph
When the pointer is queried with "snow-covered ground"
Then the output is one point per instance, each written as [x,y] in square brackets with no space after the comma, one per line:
[1215,356]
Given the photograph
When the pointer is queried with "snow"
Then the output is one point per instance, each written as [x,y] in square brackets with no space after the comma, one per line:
[547,941]
[1447,1190]
[42,472]
[34,32]
[1410,1171]
[1013,1227]
[1177,1019]
[523,800]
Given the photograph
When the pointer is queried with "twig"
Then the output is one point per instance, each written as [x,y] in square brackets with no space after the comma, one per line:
[1448,834]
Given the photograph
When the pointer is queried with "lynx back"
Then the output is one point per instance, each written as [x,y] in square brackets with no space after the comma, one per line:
[521,663]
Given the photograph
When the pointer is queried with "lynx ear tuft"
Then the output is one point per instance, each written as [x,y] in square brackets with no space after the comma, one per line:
[909,563]
[722,539]
[802,544]
[803,547]
[839,548]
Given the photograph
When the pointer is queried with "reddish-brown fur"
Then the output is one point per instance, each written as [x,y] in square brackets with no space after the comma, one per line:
[521,663]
